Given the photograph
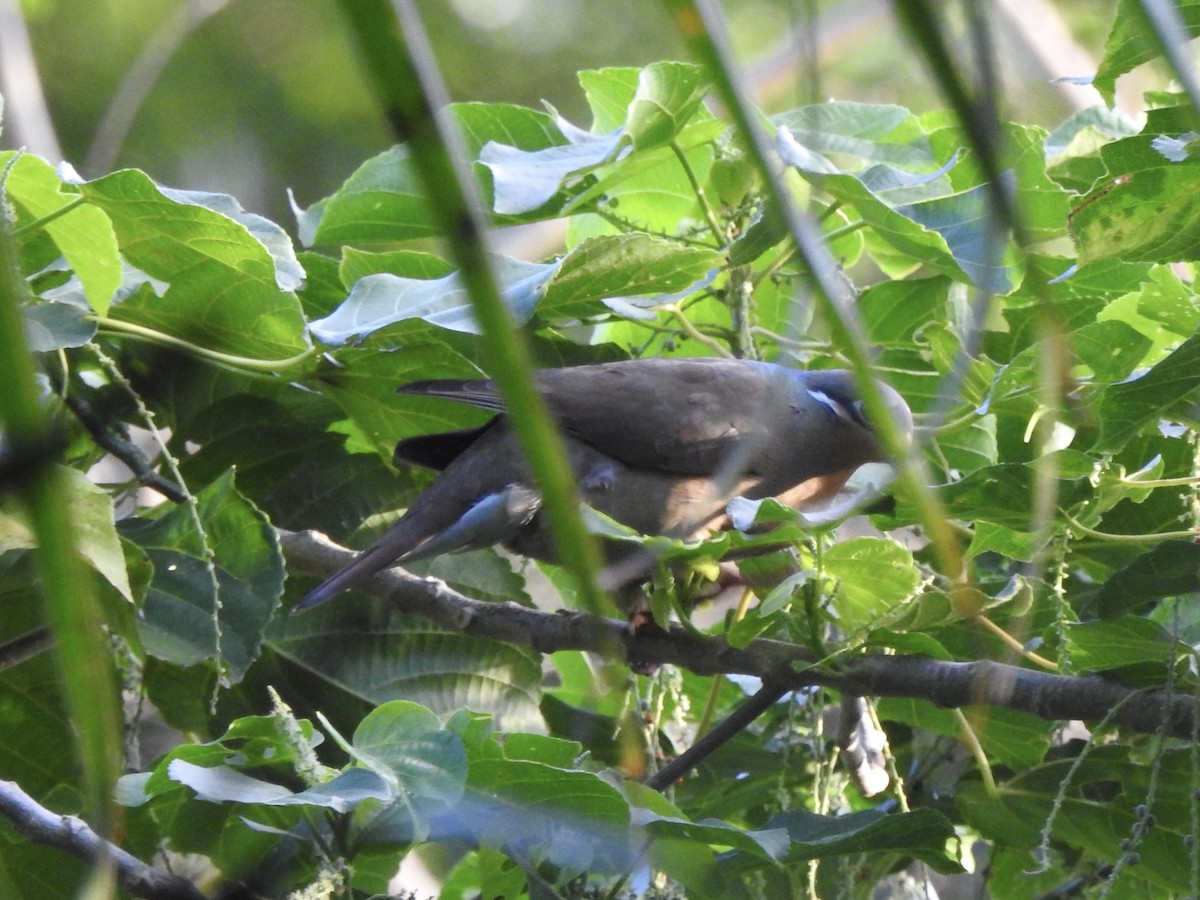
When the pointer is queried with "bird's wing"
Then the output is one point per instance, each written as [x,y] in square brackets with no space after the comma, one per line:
[436,451]
[680,416]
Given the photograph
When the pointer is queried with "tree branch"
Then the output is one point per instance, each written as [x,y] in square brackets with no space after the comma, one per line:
[113,437]
[788,666]
[711,741]
[72,835]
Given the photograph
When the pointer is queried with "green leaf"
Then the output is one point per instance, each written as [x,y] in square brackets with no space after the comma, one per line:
[1013,543]
[1017,739]
[383,299]
[649,190]
[668,95]
[484,870]
[298,473]
[1143,210]
[58,324]
[1161,309]
[1096,815]
[1110,349]
[1165,300]
[625,265]
[92,514]
[183,621]
[876,576]
[972,446]
[382,201]
[860,135]
[1129,44]
[526,180]
[227,290]
[1127,407]
[894,311]
[1004,494]
[908,642]
[946,232]
[768,845]
[358,264]
[567,817]
[609,92]
[376,655]
[1112,643]
[409,740]
[84,236]
[365,388]
[517,126]
[1169,569]
[35,755]
[923,833]
[542,748]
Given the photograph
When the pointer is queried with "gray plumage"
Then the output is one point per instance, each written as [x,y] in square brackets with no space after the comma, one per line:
[660,445]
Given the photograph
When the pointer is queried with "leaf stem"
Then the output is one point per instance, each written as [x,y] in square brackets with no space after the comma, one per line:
[1188,535]
[1016,645]
[48,218]
[844,230]
[229,360]
[972,741]
[710,215]
[1184,481]
[790,343]
[695,333]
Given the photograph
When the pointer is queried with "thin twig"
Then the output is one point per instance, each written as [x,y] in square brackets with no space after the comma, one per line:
[706,746]
[25,647]
[113,437]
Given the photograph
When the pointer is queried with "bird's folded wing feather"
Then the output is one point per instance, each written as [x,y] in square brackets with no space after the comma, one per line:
[673,415]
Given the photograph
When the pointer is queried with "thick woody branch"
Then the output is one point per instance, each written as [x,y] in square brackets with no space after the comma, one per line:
[949,684]
[72,835]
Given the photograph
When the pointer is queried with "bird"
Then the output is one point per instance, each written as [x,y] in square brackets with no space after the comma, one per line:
[660,445]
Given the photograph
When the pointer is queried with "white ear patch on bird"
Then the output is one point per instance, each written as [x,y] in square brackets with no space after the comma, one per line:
[835,407]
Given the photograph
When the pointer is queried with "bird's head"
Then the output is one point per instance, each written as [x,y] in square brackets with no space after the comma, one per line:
[838,394]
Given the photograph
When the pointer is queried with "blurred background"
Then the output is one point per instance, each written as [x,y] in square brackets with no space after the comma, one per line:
[256,97]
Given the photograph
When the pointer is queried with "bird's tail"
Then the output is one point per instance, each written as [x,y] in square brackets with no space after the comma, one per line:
[378,556]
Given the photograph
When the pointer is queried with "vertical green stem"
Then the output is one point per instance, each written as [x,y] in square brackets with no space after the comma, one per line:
[85,663]
[702,25]
[409,86]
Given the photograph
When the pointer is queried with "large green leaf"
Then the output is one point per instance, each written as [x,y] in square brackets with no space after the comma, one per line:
[913,213]
[92,513]
[408,744]
[383,299]
[876,576]
[365,384]
[1097,813]
[84,235]
[1113,643]
[1143,210]
[229,274]
[621,266]
[218,576]
[923,834]
[1127,407]
[377,655]
[571,818]
[1130,44]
